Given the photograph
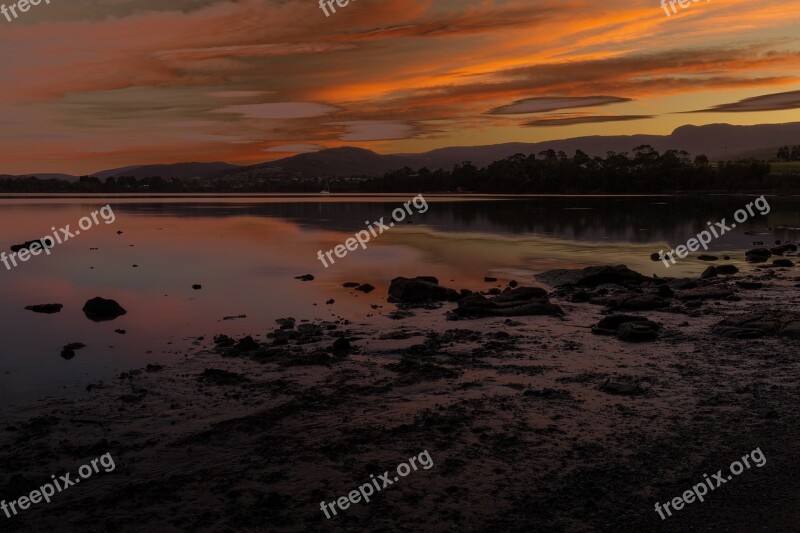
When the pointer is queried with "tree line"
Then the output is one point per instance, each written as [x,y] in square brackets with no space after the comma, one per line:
[549,172]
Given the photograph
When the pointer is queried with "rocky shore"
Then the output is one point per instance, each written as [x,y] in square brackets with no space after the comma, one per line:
[570,402]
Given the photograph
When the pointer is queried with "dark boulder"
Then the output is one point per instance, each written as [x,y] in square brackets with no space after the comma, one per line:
[782,263]
[749,326]
[627,328]
[100,309]
[783,249]
[522,301]
[592,276]
[757,255]
[45,308]
[638,331]
[420,290]
[705,257]
[305,277]
[366,288]
[68,351]
[726,270]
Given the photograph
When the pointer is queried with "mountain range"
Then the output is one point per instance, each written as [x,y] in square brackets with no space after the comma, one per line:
[717,141]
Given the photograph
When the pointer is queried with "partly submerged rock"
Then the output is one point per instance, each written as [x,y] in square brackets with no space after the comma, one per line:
[757,255]
[522,301]
[783,249]
[420,290]
[68,351]
[592,276]
[45,308]
[100,309]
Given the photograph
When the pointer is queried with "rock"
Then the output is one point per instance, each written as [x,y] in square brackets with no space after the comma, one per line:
[340,345]
[710,272]
[48,309]
[350,285]
[154,368]
[330,302]
[704,293]
[783,249]
[726,257]
[120,331]
[197,286]
[223,341]
[682,283]
[100,309]
[366,288]
[489,280]
[757,255]
[621,389]
[608,325]
[726,270]
[707,257]
[655,257]
[782,263]
[246,344]
[631,301]
[305,277]
[286,323]
[627,328]
[68,351]
[790,329]
[638,331]
[27,244]
[420,290]
[522,301]
[592,276]
[513,284]
[749,326]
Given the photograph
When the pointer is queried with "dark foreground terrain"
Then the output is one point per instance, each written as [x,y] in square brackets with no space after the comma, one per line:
[533,421]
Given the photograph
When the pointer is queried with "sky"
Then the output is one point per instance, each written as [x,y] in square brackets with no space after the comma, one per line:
[88,85]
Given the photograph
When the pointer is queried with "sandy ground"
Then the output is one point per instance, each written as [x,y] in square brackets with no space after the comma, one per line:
[513,412]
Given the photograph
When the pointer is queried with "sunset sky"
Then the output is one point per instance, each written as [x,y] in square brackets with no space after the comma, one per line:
[93,84]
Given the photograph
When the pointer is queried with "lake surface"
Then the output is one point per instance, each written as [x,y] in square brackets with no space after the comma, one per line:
[246,251]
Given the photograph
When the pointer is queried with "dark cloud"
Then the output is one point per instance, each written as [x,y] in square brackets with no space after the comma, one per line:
[552,103]
[766,102]
[567,121]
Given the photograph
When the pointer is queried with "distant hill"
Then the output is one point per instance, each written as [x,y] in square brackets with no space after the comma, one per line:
[714,140]
[175,170]
[345,161]
[42,176]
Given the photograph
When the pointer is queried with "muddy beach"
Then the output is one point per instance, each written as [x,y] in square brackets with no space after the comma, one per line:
[570,402]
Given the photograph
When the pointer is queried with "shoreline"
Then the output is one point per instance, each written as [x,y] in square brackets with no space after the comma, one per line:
[531,421]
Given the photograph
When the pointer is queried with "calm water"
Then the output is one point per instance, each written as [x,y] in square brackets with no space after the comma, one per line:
[245,253]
